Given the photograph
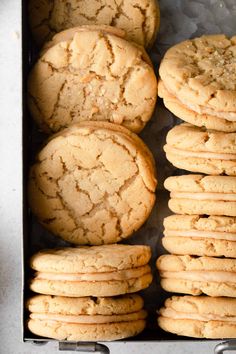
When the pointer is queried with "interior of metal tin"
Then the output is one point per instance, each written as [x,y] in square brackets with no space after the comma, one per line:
[36,238]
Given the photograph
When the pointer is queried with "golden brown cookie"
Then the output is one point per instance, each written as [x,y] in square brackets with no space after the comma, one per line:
[199,317]
[93,183]
[139,19]
[94,76]
[189,115]
[201,236]
[199,150]
[196,276]
[107,270]
[86,318]
[200,72]
[199,194]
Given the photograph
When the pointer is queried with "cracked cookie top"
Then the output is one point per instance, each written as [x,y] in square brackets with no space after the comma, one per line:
[217,224]
[139,18]
[202,71]
[93,183]
[175,263]
[186,137]
[201,183]
[92,75]
[203,305]
[96,259]
[85,305]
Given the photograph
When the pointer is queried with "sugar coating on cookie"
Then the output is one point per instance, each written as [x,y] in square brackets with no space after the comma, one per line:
[93,184]
[200,72]
[201,236]
[199,194]
[196,276]
[199,317]
[86,318]
[94,76]
[200,119]
[139,19]
[199,150]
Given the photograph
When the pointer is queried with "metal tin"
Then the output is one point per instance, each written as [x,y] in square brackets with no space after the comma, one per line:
[36,238]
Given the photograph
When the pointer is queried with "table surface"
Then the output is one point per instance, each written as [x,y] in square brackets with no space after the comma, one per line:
[11,208]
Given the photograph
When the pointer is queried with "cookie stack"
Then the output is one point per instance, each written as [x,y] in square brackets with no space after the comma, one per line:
[85,292]
[93,182]
[83,188]
[198,84]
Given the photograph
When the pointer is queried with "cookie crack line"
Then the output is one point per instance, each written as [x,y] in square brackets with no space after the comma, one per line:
[56,104]
[47,22]
[94,17]
[110,49]
[120,12]
[143,11]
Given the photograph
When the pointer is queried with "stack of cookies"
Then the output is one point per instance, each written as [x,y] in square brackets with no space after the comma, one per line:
[93,183]
[83,188]
[198,84]
[87,292]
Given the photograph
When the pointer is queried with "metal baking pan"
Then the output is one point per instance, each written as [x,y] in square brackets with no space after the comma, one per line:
[178,22]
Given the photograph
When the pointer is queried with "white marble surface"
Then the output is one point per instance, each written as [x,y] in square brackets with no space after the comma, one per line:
[11,209]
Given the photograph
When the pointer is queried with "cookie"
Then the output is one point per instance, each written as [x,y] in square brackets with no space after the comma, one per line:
[139,19]
[199,194]
[201,236]
[189,115]
[107,270]
[199,317]
[86,318]
[67,35]
[93,183]
[200,73]
[196,276]
[199,150]
[92,76]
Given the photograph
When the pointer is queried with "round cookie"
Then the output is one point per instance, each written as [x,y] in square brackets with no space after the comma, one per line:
[199,317]
[139,19]
[201,236]
[88,319]
[200,73]
[198,150]
[93,183]
[92,76]
[199,194]
[196,276]
[107,270]
[189,115]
